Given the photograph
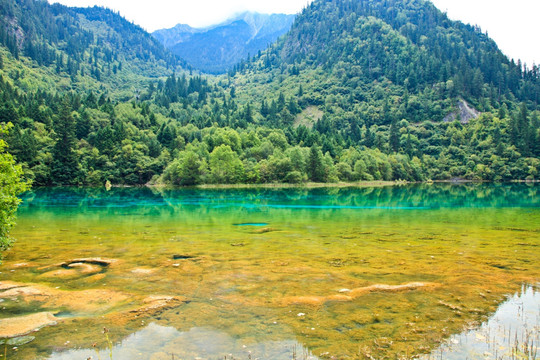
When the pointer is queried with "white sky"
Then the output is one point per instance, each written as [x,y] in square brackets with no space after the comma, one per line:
[161,14]
[513,24]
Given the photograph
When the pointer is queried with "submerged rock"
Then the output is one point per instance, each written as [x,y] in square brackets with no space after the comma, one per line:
[77,268]
[95,278]
[73,270]
[7,286]
[91,300]
[60,274]
[153,306]
[351,294]
[125,307]
[157,303]
[20,290]
[263,230]
[85,268]
[21,265]
[143,271]
[18,341]
[95,261]
[23,325]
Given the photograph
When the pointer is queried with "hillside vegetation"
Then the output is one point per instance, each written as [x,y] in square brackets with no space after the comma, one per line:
[56,48]
[357,90]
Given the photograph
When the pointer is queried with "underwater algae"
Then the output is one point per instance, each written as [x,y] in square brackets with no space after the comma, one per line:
[378,273]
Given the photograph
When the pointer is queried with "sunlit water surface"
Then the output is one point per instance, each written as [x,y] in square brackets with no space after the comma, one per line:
[392,272]
[513,332]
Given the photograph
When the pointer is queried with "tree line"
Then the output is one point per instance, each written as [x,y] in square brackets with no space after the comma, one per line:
[211,138]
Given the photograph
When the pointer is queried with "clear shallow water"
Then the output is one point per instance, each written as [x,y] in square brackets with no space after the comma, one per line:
[513,332]
[324,272]
[160,342]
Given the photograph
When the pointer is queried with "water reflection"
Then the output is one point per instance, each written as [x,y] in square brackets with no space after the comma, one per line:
[239,257]
[158,342]
[394,197]
[513,332]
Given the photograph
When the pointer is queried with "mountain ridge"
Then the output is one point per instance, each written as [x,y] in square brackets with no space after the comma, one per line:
[216,48]
[83,48]
[355,91]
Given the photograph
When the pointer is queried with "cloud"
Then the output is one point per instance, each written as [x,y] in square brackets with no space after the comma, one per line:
[512,24]
[159,14]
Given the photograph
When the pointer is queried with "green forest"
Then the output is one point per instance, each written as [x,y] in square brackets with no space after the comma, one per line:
[358,90]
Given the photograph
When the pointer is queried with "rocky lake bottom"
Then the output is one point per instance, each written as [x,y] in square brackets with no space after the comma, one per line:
[419,271]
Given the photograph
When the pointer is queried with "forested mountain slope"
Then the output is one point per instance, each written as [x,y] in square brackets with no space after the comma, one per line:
[385,73]
[54,46]
[405,47]
[357,90]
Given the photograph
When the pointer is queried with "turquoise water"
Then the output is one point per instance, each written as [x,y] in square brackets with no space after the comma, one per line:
[396,197]
[267,273]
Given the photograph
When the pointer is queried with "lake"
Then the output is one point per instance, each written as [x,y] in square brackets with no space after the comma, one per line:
[334,273]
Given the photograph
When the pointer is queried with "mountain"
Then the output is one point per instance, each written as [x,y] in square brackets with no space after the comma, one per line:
[217,48]
[80,48]
[175,35]
[399,45]
[390,71]
[356,90]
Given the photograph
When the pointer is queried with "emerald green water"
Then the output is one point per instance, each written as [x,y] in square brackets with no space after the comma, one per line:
[268,273]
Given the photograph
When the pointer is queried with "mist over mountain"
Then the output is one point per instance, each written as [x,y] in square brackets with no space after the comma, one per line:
[217,48]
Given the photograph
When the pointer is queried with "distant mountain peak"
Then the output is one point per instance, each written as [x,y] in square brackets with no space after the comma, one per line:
[183,27]
[218,47]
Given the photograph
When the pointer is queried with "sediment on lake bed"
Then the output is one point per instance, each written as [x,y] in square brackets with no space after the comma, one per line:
[351,294]
[24,325]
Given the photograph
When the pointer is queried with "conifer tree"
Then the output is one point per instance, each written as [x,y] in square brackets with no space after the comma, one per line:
[64,169]
[394,136]
[315,165]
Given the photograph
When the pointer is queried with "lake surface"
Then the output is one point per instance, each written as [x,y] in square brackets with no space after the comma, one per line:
[385,272]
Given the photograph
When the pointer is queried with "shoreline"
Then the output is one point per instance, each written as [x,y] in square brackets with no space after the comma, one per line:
[312,185]
[308,185]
